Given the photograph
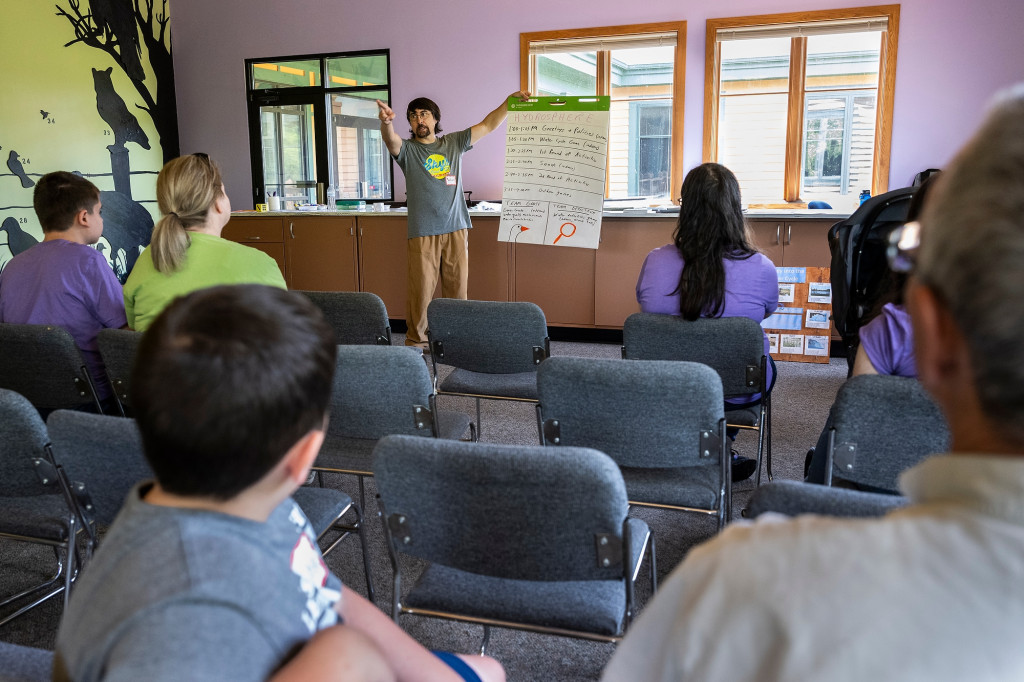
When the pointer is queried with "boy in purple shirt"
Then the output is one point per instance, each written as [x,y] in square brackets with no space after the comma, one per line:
[63,281]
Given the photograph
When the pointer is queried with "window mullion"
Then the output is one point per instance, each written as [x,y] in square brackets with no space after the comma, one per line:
[795,118]
[604,87]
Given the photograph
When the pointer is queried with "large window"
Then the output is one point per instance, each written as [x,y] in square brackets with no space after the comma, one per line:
[799,105]
[313,127]
[641,68]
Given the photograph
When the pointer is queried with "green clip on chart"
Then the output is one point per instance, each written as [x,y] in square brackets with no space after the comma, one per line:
[556,151]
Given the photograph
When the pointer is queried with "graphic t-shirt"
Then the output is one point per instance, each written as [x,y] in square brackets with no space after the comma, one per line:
[184,594]
[433,184]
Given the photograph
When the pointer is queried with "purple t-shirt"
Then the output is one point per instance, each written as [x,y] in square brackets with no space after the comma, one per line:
[888,341]
[69,285]
[751,287]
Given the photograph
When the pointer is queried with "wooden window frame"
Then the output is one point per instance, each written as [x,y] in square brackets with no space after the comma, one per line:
[794,120]
[604,75]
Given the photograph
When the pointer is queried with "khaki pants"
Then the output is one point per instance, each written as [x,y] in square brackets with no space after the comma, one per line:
[447,254]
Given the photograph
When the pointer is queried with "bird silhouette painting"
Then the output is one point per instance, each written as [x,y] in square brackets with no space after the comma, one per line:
[116,18]
[14,164]
[17,239]
[115,112]
[43,113]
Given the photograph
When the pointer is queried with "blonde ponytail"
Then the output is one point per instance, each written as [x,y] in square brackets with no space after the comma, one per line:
[185,190]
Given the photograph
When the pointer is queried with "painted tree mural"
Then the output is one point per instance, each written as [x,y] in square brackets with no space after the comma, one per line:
[115,27]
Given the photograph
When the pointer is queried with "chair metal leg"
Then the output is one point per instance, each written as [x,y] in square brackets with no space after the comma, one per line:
[361,529]
[653,558]
[479,426]
[486,640]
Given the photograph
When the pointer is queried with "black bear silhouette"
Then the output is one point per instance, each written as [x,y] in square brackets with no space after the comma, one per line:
[117,17]
[17,239]
[115,112]
[14,163]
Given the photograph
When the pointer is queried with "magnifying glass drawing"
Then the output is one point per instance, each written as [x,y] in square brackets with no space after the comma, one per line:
[563,233]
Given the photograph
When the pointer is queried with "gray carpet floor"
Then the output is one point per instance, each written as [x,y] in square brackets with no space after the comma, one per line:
[802,396]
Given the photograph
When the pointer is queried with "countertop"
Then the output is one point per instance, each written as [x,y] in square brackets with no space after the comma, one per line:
[629,213]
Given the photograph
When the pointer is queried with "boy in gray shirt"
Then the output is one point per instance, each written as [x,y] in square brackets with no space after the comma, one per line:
[212,571]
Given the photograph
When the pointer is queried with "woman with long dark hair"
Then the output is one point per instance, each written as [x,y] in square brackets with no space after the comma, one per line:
[711,269]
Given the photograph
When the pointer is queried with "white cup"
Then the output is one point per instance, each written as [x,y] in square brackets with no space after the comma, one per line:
[274,203]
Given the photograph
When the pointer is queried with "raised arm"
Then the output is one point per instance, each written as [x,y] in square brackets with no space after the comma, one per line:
[387,128]
[494,119]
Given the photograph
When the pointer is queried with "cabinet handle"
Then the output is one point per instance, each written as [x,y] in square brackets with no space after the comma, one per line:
[778,234]
[352,231]
[789,234]
[253,239]
[291,229]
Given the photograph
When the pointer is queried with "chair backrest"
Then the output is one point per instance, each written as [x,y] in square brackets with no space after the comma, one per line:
[42,363]
[102,457]
[358,317]
[642,414]
[380,390]
[23,438]
[732,346]
[118,348]
[494,337]
[521,512]
[884,425]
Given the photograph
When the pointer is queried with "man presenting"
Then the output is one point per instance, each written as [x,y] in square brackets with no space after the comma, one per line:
[438,216]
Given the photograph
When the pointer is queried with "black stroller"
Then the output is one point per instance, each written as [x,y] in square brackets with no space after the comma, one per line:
[859,266]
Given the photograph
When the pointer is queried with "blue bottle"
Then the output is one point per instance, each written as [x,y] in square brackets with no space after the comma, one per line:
[865,194]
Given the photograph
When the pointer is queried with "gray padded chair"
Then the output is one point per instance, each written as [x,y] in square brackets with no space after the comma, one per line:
[732,346]
[521,537]
[33,506]
[25,664]
[42,363]
[662,422]
[793,498]
[357,317]
[378,391]
[494,347]
[101,459]
[118,348]
[881,426]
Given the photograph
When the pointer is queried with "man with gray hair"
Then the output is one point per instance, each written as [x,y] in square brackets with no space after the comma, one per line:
[929,592]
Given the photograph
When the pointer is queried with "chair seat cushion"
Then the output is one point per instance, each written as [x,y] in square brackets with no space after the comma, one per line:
[39,516]
[744,416]
[522,385]
[685,486]
[452,425]
[590,606]
[347,455]
[322,506]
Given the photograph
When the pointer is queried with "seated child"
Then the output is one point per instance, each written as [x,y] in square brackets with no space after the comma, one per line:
[212,571]
[62,281]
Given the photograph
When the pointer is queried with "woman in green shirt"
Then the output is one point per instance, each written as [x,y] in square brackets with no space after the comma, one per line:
[187,252]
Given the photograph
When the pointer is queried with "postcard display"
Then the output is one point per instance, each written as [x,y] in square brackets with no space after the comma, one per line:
[801,328]
[556,152]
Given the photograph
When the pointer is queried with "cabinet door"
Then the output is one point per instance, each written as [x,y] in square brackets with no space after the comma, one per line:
[624,245]
[768,237]
[321,253]
[559,280]
[806,243]
[264,234]
[489,262]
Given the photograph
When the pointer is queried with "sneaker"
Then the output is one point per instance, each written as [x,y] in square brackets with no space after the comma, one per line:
[742,467]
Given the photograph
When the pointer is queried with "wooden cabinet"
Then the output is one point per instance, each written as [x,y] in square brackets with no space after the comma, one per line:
[559,280]
[264,234]
[793,243]
[490,262]
[574,287]
[625,242]
[321,253]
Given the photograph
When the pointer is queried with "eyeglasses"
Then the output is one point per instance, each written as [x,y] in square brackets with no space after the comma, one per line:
[903,244]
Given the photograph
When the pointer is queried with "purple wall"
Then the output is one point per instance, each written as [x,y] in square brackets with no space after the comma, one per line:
[465,56]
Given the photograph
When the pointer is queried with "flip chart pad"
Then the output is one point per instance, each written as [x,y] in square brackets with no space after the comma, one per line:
[556,151]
